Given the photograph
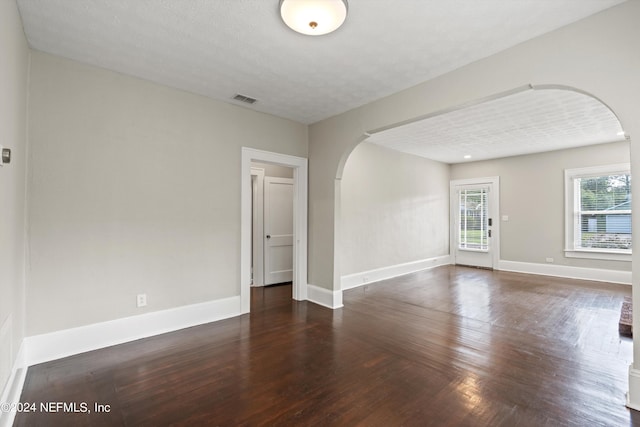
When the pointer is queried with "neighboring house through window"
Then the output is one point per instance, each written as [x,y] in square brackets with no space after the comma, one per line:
[598,212]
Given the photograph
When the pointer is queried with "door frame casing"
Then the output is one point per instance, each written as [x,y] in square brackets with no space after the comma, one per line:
[300,191]
[494,201]
[257,218]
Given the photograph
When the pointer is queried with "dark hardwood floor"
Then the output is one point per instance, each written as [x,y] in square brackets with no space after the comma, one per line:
[451,346]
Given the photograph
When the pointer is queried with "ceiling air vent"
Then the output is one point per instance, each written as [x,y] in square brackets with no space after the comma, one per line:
[245,99]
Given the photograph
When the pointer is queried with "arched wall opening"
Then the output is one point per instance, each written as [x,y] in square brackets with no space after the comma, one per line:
[392,206]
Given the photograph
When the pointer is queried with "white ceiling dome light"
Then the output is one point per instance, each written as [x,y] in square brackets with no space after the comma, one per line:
[313,17]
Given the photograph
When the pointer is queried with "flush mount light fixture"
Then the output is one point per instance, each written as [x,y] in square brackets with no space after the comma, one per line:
[313,17]
[467,156]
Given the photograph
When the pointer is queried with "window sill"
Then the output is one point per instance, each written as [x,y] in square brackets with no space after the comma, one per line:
[609,255]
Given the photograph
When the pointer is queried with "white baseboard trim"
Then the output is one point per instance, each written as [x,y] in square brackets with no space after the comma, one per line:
[354,280]
[595,274]
[59,344]
[324,297]
[13,389]
[633,395]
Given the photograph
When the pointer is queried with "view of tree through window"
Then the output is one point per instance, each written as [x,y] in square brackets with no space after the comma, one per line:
[605,212]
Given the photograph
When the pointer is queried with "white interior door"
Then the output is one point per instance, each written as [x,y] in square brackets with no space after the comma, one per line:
[278,230]
[474,219]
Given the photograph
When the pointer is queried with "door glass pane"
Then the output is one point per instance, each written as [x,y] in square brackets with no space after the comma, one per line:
[473,219]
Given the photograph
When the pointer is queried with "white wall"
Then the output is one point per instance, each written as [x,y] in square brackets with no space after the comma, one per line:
[135,189]
[394,210]
[14,70]
[532,195]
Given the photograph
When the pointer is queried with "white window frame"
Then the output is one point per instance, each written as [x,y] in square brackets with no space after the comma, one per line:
[572,203]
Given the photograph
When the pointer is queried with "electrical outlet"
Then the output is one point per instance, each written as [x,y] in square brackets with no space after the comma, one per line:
[141,300]
[549,260]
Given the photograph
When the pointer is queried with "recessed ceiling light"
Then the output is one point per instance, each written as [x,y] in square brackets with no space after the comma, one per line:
[467,156]
[313,17]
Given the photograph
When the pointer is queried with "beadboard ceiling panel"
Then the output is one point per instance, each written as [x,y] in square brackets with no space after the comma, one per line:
[526,122]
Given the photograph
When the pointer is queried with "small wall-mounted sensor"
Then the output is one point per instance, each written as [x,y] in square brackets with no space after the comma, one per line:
[6,156]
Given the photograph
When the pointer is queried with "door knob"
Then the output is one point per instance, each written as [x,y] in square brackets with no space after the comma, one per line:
[268,236]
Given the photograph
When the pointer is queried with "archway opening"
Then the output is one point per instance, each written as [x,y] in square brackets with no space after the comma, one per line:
[529,136]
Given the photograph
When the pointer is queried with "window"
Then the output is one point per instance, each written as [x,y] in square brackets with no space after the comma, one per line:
[473,234]
[598,212]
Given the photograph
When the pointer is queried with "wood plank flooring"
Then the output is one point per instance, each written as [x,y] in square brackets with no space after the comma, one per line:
[452,346]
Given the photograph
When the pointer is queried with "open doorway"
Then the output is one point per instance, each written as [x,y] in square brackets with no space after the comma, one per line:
[297,191]
[272,224]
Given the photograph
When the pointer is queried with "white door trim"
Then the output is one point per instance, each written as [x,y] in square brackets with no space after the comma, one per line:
[258,227]
[494,201]
[300,179]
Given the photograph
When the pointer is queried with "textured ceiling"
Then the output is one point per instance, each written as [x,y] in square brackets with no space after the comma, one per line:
[218,48]
[530,121]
